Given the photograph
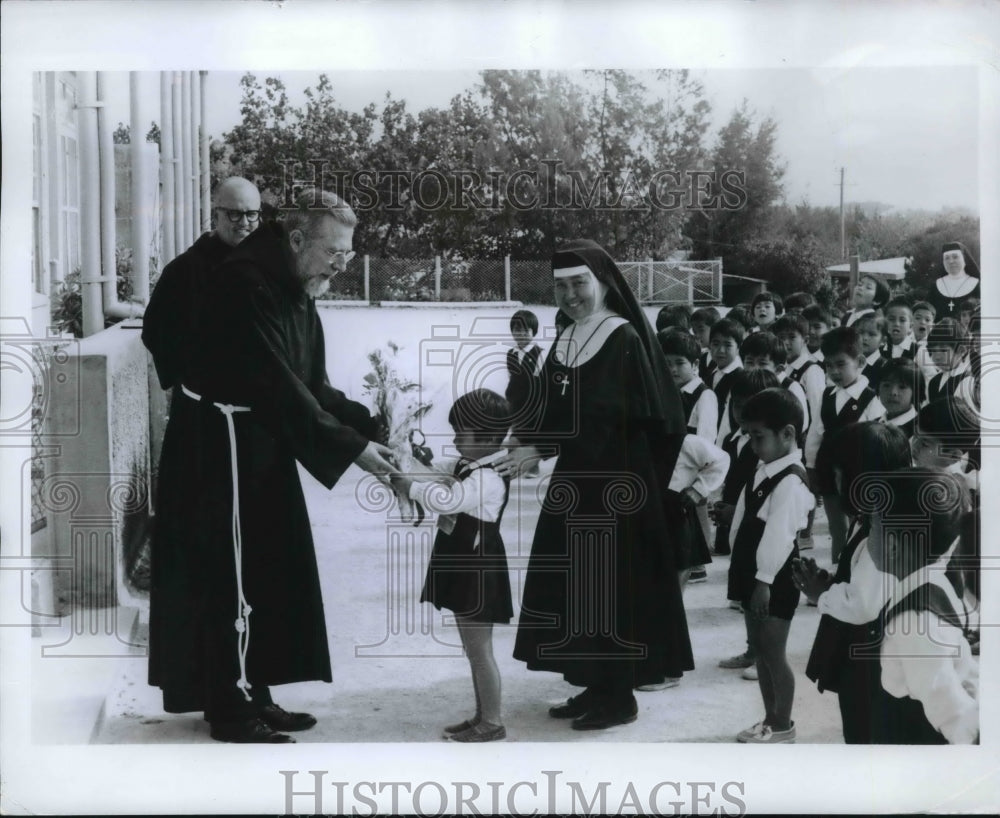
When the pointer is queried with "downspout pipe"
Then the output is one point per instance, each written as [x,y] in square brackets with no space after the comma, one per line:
[113,308]
[91,280]
[139,198]
[167,166]
[206,205]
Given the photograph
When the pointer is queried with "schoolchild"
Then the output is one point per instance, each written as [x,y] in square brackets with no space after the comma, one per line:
[701,409]
[870,294]
[849,400]
[948,347]
[523,366]
[926,659]
[702,320]
[676,316]
[725,338]
[871,329]
[900,342]
[793,332]
[901,392]
[850,600]
[765,309]
[467,572]
[772,508]
[742,464]
[820,322]
[923,319]
[796,302]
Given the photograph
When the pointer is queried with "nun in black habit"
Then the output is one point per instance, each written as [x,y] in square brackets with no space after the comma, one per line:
[960,282]
[601,601]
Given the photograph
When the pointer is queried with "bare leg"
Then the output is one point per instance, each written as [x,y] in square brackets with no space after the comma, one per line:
[477,638]
[772,663]
[763,676]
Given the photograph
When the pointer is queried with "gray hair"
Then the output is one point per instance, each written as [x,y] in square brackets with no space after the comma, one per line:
[312,205]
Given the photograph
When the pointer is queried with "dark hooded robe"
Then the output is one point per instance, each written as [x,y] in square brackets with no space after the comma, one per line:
[259,344]
[601,602]
[949,306]
[168,322]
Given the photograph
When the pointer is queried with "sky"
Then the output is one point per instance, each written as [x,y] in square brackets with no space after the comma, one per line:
[906,136]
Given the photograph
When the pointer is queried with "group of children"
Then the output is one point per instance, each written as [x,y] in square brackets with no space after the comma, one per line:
[794,392]
[787,409]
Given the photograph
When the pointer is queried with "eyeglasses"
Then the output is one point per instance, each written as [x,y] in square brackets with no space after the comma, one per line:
[340,257]
[235,216]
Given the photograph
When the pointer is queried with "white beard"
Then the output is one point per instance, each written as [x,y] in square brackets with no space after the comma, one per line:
[316,287]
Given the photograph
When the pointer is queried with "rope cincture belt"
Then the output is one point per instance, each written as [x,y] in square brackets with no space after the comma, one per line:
[243,608]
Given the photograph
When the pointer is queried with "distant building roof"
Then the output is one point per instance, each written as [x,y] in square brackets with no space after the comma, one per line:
[893,269]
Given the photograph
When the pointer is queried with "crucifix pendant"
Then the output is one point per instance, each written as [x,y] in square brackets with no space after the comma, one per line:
[951,305]
[564,379]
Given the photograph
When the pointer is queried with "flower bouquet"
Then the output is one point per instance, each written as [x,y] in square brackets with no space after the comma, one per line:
[397,407]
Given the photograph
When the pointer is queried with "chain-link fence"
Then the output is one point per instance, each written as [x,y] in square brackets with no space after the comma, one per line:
[526,280]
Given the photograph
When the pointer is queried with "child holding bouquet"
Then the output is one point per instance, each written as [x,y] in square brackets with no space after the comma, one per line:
[467,573]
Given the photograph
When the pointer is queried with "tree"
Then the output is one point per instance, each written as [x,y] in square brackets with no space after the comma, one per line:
[924,248]
[123,134]
[747,148]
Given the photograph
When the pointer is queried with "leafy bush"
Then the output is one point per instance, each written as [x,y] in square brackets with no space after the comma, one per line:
[67,305]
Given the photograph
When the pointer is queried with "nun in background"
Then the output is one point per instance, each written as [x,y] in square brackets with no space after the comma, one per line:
[601,602]
[959,283]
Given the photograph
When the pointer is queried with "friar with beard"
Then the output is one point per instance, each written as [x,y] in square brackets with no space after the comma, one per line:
[235,605]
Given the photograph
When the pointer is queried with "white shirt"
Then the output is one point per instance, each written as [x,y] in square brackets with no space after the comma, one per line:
[813,381]
[921,656]
[873,358]
[924,361]
[705,414]
[854,315]
[931,661]
[521,353]
[859,601]
[701,466]
[742,439]
[793,386]
[902,419]
[785,512]
[964,389]
[874,411]
[737,363]
[897,350]
[480,495]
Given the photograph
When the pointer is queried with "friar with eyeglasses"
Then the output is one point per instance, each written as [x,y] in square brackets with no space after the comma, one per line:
[235,601]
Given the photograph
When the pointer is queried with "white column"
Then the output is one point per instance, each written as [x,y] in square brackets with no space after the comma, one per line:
[167,167]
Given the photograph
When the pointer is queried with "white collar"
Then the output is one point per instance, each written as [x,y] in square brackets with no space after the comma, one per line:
[871,359]
[932,573]
[817,355]
[736,364]
[692,384]
[961,369]
[485,460]
[906,417]
[804,357]
[908,342]
[856,388]
[782,463]
[856,314]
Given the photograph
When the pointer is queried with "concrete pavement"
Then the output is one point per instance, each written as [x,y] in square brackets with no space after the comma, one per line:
[399,675]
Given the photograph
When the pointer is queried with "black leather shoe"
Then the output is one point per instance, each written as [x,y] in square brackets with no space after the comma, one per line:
[250,731]
[280,719]
[604,716]
[574,707]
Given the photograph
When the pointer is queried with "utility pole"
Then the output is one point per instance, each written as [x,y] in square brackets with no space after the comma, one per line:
[843,244]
